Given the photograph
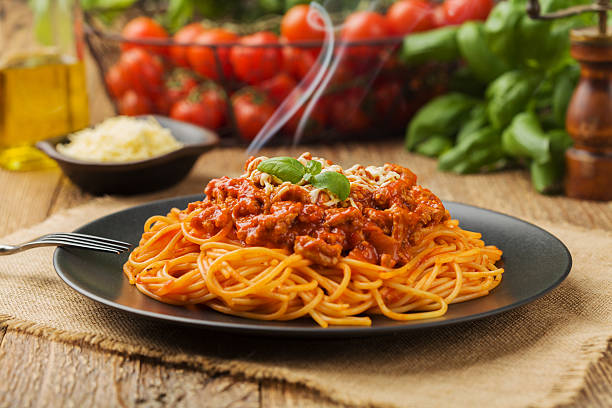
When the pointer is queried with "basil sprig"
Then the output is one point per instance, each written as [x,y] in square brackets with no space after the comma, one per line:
[289,169]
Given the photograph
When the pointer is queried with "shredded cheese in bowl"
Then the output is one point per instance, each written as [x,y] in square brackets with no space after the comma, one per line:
[119,140]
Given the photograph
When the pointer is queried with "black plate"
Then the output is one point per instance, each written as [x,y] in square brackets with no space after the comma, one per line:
[535,262]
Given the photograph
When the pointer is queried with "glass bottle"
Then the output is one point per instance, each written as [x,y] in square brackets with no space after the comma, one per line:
[42,78]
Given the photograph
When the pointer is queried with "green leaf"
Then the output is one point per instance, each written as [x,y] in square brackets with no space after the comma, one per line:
[509,94]
[525,138]
[546,177]
[179,13]
[284,168]
[434,45]
[501,31]
[442,116]
[313,167]
[563,91]
[477,150]
[434,146]
[477,120]
[485,65]
[332,181]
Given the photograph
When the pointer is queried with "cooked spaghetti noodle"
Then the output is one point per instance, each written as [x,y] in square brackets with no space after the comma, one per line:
[259,248]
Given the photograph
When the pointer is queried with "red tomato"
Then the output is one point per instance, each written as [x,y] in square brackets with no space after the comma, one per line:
[298,61]
[259,60]
[185,35]
[278,87]
[132,104]
[143,28]
[252,110]
[390,107]
[363,26]
[460,11]
[407,16]
[314,124]
[179,85]
[142,71]
[438,17]
[202,59]
[205,108]
[295,25]
[346,113]
[115,81]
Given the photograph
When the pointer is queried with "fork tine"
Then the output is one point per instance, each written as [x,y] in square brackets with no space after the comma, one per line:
[97,238]
[80,244]
[88,239]
[78,240]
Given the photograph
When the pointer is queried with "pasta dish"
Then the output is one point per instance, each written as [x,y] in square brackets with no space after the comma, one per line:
[303,237]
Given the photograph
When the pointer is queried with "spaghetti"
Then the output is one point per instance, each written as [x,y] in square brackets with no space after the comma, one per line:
[259,248]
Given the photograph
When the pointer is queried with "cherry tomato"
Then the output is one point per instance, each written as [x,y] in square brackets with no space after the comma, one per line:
[252,110]
[259,60]
[115,81]
[202,59]
[142,28]
[185,35]
[407,16]
[205,108]
[132,104]
[346,112]
[390,107]
[298,61]
[363,26]
[439,18]
[296,26]
[278,87]
[460,11]
[314,124]
[178,86]
[142,71]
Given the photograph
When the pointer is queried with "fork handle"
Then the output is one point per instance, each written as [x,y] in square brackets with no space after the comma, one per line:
[8,249]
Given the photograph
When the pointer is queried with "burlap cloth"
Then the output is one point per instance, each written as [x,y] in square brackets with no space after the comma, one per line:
[536,355]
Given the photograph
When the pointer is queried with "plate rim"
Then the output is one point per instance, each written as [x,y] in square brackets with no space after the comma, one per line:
[251,327]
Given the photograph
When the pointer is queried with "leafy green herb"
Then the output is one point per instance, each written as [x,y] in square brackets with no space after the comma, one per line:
[284,168]
[485,65]
[331,181]
[289,169]
[313,167]
[508,95]
[439,44]
[442,117]
[525,138]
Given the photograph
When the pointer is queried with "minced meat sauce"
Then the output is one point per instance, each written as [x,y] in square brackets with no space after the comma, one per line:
[378,225]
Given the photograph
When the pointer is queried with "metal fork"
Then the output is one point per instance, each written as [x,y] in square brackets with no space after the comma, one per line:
[70,240]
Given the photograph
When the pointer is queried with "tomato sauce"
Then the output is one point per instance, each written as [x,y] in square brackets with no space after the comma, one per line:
[376,226]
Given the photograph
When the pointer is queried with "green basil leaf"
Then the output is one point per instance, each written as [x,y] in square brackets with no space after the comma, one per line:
[509,94]
[331,181]
[313,167]
[434,45]
[442,116]
[284,168]
[485,65]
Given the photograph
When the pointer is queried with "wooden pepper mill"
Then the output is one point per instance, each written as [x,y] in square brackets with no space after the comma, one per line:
[589,115]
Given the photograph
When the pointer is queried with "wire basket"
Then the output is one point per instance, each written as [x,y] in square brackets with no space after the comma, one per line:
[370,96]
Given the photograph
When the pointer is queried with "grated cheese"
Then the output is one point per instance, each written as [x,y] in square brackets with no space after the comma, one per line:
[120,139]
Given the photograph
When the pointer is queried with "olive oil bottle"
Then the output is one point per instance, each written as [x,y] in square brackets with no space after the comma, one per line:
[42,83]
